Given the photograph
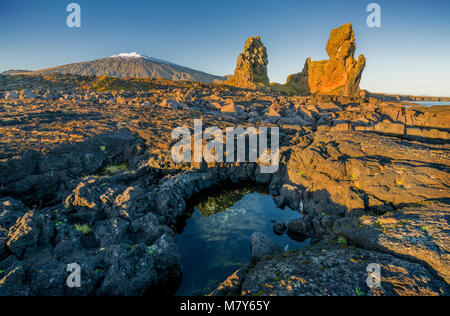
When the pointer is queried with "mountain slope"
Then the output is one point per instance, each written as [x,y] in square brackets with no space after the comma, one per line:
[15,72]
[133,65]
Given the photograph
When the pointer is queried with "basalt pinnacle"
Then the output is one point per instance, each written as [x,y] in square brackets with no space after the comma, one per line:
[251,68]
[340,75]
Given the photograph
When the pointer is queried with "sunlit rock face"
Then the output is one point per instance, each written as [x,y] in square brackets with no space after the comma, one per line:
[251,68]
[340,75]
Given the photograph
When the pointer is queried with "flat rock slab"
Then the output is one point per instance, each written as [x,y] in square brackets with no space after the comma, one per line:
[419,232]
[336,271]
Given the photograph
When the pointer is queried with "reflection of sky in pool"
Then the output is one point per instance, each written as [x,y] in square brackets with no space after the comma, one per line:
[213,248]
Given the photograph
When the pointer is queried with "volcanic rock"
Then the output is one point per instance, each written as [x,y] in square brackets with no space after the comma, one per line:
[263,246]
[340,75]
[251,66]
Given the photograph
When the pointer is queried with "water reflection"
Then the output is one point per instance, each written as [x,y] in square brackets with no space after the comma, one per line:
[215,240]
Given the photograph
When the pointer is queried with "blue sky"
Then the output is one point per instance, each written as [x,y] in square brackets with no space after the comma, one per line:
[409,54]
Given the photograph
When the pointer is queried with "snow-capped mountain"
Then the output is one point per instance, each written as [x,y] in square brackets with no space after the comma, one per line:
[136,55]
[133,65]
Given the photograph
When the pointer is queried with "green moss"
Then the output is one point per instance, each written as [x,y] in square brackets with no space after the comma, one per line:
[84,229]
[112,169]
[284,89]
[342,241]
[359,292]
[221,201]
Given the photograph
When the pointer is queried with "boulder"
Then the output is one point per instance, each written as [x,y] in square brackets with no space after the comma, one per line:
[167,258]
[27,94]
[299,229]
[29,231]
[229,108]
[148,229]
[11,96]
[262,246]
[390,128]
[172,104]
[131,271]
[279,228]
[10,211]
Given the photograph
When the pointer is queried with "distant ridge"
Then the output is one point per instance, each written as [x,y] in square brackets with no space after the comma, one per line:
[133,65]
[15,71]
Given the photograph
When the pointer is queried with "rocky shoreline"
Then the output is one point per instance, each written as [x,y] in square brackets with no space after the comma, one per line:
[87,177]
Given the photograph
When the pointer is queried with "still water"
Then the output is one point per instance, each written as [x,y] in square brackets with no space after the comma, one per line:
[215,240]
[430,103]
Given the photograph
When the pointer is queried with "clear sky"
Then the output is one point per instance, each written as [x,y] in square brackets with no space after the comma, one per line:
[409,54]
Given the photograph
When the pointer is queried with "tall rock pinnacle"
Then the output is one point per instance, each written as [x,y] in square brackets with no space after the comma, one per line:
[340,75]
[251,67]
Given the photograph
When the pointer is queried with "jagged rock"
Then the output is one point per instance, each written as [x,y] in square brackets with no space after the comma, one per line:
[263,246]
[232,285]
[120,100]
[279,228]
[148,229]
[112,231]
[11,96]
[167,258]
[10,211]
[12,283]
[27,94]
[340,75]
[229,108]
[289,195]
[172,104]
[131,272]
[30,229]
[251,66]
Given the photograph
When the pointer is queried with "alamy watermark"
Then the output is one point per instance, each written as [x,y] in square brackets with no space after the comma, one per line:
[209,145]
[374,18]
[74,18]
[74,278]
[374,278]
